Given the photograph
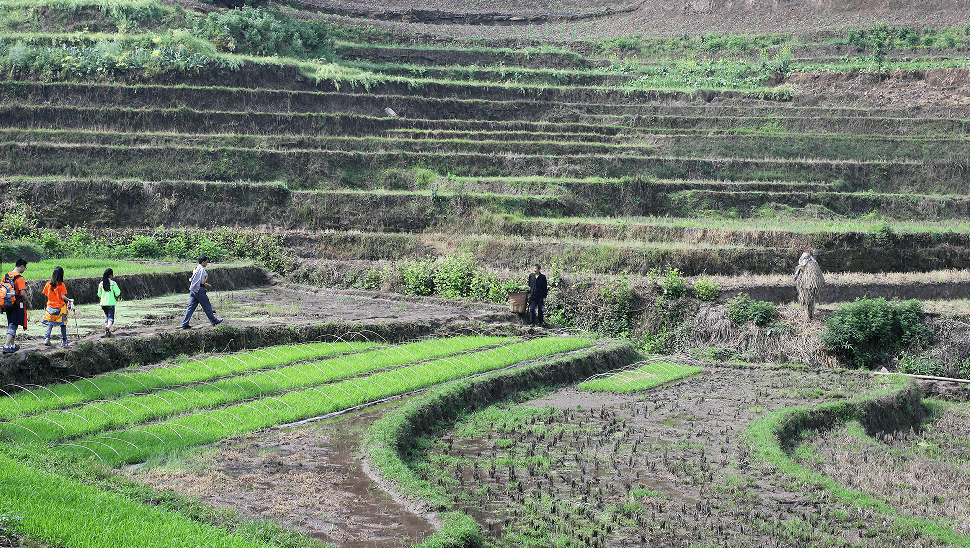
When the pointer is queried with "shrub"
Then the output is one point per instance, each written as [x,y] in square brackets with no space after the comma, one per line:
[454,274]
[923,363]
[706,289]
[144,247]
[17,226]
[672,285]
[743,309]
[256,31]
[866,331]
[177,247]
[418,277]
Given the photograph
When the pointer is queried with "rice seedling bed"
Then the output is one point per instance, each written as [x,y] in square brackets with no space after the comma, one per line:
[640,376]
[174,395]
[194,428]
[491,74]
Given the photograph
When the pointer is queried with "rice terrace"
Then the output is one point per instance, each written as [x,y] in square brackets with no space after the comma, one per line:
[372,184]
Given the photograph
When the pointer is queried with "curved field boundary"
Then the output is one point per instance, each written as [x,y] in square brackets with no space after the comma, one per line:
[391,437]
[209,425]
[897,407]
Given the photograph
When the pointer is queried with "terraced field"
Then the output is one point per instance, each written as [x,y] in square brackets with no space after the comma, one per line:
[420,134]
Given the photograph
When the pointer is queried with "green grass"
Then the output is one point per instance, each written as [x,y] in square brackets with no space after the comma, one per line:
[650,374]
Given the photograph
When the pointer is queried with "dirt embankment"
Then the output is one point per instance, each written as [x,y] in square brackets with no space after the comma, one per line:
[148,285]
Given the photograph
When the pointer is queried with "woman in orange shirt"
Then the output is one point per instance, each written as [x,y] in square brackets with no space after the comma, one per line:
[57,306]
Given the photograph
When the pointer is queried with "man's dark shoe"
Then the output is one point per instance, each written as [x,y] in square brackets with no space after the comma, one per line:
[11,349]
[186,326]
[217,322]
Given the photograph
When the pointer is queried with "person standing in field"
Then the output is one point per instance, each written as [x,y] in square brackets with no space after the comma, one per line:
[538,290]
[108,292]
[57,306]
[809,282]
[198,283]
[17,311]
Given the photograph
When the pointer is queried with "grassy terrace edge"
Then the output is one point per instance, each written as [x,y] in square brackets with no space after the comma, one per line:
[898,406]
[391,437]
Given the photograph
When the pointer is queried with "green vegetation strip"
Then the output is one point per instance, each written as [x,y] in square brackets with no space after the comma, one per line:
[896,406]
[121,383]
[142,442]
[648,375]
[104,414]
[61,512]
[91,268]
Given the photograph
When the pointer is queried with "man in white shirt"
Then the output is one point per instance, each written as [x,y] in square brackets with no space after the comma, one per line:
[198,283]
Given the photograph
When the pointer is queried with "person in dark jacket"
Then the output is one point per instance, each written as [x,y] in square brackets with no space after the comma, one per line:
[538,290]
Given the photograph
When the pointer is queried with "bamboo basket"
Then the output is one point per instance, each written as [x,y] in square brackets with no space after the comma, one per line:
[518,301]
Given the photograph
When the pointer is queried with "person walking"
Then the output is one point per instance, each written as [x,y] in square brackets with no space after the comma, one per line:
[17,311]
[198,283]
[108,292]
[538,290]
[57,306]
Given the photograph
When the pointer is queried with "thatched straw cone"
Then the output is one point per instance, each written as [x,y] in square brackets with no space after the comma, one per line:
[809,282]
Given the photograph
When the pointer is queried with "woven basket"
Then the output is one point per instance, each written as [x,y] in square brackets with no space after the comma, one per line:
[518,301]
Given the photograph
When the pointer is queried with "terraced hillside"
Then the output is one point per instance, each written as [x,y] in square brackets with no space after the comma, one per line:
[595,160]
[442,149]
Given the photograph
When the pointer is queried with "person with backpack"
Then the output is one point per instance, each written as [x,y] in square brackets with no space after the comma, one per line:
[13,286]
[57,306]
[198,283]
[108,292]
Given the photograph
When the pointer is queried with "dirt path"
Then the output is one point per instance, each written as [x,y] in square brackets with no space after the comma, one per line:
[281,304]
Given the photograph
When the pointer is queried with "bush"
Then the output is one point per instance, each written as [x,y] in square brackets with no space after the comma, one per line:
[706,289]
[743,309]
[143,247]
[418,277]
[454,274]
[256,31]
[923,363]
[672,285]
[866,331]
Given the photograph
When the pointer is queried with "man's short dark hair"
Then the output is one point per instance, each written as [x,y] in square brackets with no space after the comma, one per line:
[21,262]
[537,266]
[203,259]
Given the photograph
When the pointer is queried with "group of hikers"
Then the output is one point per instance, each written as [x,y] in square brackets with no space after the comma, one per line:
[14,299]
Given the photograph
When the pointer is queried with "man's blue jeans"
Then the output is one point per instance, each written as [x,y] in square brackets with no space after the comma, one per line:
[195,299]
[535,305]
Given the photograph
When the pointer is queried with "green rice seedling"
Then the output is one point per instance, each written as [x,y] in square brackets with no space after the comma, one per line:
[138,443]
[61,512]
[639,376]
[121,383]
[158,404]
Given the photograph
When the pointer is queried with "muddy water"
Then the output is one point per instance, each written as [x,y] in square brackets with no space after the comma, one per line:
[308,479]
